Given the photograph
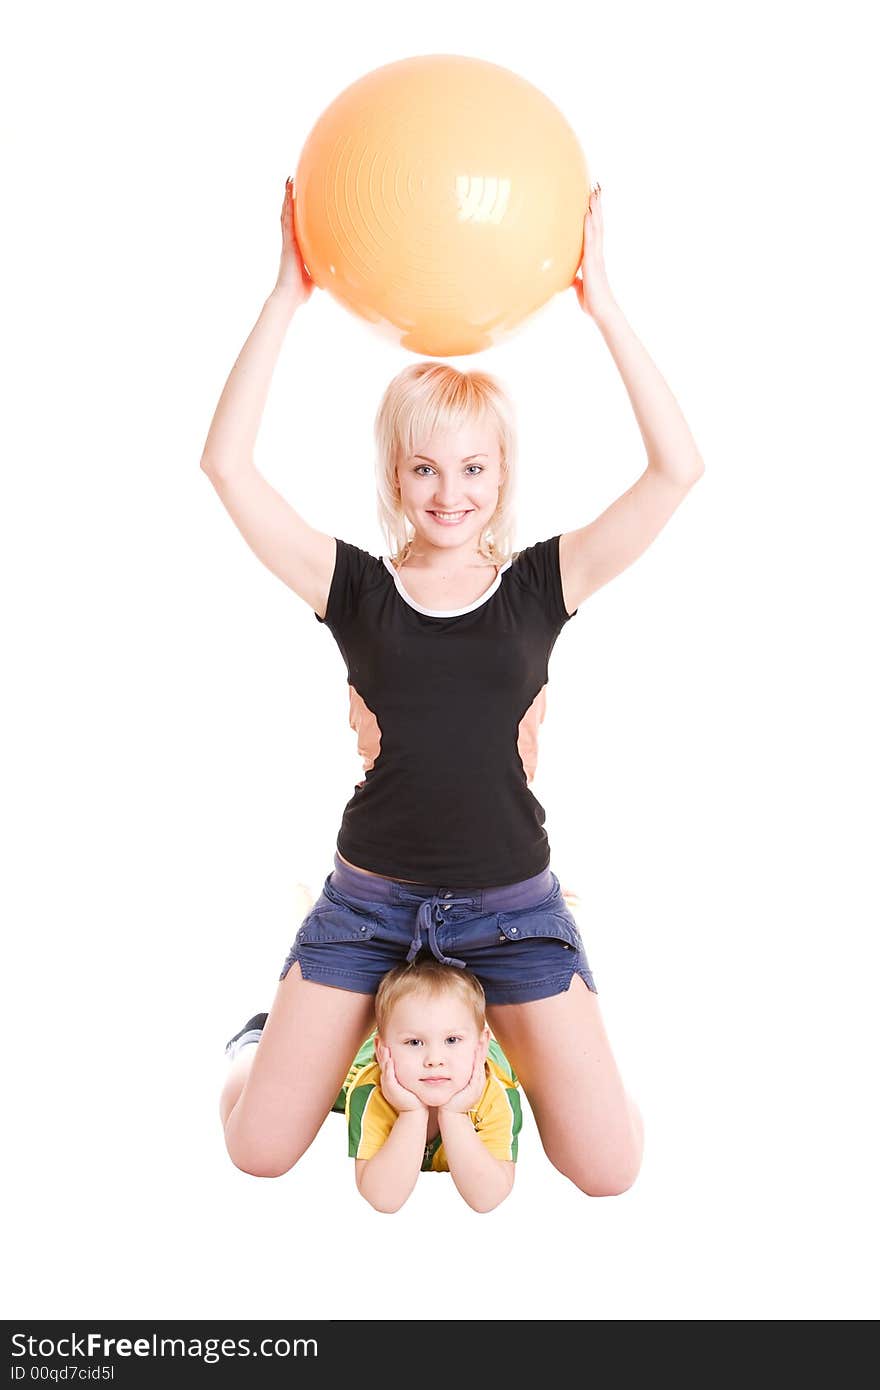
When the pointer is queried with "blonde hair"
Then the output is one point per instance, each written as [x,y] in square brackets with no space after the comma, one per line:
[433,978]
[425,398]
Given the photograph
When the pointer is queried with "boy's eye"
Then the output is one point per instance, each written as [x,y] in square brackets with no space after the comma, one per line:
[413,1042]
[453,1039]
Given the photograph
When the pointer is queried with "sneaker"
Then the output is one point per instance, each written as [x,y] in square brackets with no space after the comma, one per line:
[250,1033]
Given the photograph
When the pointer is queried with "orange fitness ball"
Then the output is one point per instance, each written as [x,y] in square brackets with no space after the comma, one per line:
[442,199]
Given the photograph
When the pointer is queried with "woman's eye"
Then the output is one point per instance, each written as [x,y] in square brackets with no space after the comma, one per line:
[420,474]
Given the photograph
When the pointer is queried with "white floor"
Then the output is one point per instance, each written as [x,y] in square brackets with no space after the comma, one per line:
[755,1200]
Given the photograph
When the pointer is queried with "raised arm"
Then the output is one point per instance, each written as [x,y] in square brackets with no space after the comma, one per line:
[298,554]
[594,554]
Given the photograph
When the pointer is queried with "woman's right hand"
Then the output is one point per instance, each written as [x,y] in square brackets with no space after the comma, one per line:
[394,1092]
[293,278]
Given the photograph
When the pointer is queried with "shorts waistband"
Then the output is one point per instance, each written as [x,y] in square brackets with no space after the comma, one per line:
[528,892]
[429,903]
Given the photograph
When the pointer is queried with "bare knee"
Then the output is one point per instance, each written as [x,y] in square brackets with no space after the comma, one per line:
[608,1182]
[258,1167]
[617,1169]
[252,1154]
[611,1186]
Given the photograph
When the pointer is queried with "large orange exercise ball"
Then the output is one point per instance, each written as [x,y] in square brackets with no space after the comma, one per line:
[442,198]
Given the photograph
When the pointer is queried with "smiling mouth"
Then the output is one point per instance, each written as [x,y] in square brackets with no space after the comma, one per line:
[449,517]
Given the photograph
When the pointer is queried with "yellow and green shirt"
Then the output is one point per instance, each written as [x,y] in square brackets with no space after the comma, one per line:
[497,1116]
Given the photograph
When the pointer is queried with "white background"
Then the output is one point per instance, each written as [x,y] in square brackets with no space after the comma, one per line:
[176,749]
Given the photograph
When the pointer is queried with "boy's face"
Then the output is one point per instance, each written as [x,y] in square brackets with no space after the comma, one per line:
[433,1039]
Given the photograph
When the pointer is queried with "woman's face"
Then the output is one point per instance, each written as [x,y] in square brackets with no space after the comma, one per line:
[433,1041]
[449,488]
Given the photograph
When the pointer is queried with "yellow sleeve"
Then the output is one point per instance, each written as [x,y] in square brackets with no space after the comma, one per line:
[498,1117]
[370,1118]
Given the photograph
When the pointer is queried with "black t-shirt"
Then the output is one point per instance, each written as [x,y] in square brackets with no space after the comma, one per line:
[446,707]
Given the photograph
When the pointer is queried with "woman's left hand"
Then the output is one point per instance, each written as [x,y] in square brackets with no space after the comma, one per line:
[592,288]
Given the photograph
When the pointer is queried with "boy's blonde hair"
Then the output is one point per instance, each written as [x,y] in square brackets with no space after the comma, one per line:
[430,977]
[421,400]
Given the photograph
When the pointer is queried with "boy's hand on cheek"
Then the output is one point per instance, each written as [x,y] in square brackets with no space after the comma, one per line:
[469,1096]
[395,1093]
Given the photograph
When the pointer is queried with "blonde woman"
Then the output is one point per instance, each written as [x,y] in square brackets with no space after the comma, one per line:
[442,849]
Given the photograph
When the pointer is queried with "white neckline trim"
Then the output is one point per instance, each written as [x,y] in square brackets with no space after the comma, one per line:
[444,612]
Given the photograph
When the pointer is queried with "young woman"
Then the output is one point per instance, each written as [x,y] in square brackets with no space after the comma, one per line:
[446,641]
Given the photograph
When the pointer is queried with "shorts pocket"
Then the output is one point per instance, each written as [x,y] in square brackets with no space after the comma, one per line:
[533,923]
[328,923]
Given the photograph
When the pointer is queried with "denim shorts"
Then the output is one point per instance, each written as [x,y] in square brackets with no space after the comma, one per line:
[521,941]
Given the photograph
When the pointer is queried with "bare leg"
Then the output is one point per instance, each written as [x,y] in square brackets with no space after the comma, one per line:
[278,1093]
[590,1128]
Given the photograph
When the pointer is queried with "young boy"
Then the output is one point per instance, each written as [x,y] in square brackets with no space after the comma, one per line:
[431,1092]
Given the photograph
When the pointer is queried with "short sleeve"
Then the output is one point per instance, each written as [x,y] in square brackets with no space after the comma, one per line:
[353,572]
[370,1117]
[499,1120]
[538,570]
